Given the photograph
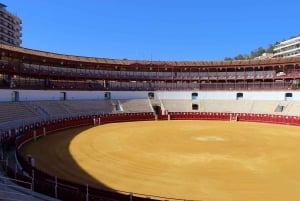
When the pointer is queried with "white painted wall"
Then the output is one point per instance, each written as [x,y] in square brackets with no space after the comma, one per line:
[5,95]
[218,95]
[229,95]
[266,95]
[186,95]
[38,95]
[85,95]
[247,95]
[129,95]
[33,95]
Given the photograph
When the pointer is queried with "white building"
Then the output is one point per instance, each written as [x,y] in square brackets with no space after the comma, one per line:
[265,56]
[288,48]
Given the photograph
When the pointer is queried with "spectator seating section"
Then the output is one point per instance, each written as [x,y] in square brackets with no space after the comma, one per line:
[135,105]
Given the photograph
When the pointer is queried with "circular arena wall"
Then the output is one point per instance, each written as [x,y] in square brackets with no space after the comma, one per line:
[55,95]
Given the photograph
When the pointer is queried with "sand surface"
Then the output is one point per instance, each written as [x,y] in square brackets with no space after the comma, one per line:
[201,160]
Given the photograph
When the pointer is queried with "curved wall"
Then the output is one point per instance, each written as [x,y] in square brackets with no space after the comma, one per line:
[228,95]
[55,95]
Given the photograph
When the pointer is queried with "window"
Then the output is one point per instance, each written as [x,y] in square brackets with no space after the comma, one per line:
[63,96]
[195,107]
[239,96]
[151,95]
[288,96]
[107,95]
[15,96]
[194,96]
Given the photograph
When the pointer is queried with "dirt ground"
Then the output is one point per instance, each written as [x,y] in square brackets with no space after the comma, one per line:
[200,160]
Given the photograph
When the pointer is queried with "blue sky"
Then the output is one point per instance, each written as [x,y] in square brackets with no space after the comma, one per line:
[174,30]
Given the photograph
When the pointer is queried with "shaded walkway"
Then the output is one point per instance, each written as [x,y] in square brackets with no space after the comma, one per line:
[10,191]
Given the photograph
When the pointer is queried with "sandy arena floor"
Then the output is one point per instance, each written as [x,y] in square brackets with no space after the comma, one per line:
[201,160]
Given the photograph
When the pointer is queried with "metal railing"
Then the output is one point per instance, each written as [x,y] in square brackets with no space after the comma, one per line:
[13,189]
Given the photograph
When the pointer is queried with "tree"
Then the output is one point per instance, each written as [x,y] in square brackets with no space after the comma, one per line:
[254,53]
[228,59]
[271,48]
[241,57]
[258,52]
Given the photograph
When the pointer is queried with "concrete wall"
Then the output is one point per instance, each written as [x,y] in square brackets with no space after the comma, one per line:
[38,95]
[229,95]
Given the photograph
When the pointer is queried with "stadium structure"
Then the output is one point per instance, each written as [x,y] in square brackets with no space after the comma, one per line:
[43,92]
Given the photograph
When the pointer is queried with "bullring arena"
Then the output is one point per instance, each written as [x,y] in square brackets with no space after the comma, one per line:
[196,160]
[101,129]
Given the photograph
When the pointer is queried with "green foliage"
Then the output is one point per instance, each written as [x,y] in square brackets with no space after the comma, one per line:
[228,59]
[241,57]
[258,52]
[254,53]
[271,48]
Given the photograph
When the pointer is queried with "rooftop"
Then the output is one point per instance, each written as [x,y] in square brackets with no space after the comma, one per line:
[2,6]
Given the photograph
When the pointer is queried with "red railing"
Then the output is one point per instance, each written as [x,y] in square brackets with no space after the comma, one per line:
[263,118]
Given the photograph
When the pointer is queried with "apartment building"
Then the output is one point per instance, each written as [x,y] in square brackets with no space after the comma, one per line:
[288,48]
[10,27]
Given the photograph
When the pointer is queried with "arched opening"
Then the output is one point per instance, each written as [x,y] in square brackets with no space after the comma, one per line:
[107,95]
[151,95]
[63,96]
[195,107]
[157,109]
[15,96]
[239,96]
[194,96]
[288,96]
